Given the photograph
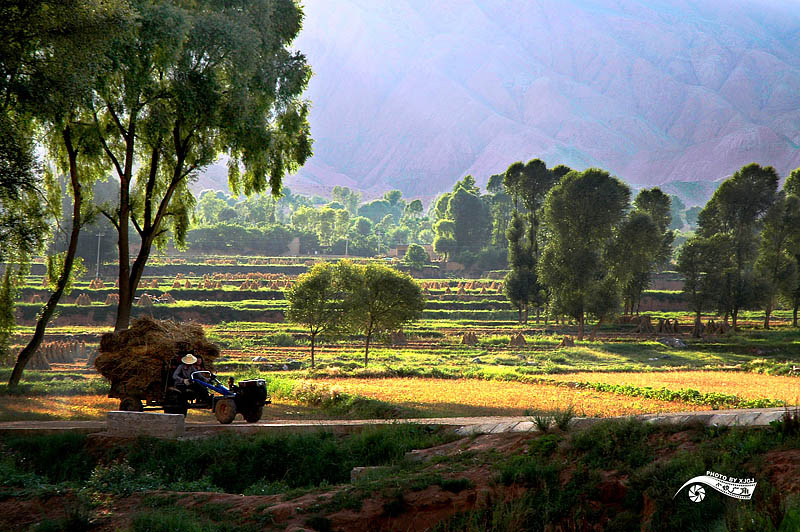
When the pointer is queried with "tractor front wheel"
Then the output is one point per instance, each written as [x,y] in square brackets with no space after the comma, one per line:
[130,404]
[225,411]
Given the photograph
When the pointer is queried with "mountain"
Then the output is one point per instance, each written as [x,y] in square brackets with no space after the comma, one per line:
[414,94]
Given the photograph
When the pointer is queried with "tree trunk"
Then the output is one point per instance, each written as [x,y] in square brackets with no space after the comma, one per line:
[767,312]
[794,316]
[580,327]
[698,325]
[593,335]
[538,312]
[47,311]
[526,315]
[366,350]
[313,336]
[734,318]
[125,294]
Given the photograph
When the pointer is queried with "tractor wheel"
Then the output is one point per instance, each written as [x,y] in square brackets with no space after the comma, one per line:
[252,415]
[130,404]
[225,411]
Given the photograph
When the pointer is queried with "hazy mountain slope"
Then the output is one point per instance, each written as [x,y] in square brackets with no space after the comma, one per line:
[414,94]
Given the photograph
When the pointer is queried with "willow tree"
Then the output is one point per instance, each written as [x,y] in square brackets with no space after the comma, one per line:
[195,81]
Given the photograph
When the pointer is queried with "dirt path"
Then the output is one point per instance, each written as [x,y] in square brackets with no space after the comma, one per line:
[465,425]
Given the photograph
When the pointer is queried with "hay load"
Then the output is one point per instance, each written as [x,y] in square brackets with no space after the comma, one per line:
[135,357]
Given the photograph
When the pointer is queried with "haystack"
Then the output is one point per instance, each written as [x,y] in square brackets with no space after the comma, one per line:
[469,338]
[135,357]
[145,301]
[176,284]
[517,340]
[83,300]
[35,298]
[167,298]
[112,299]
[567,341]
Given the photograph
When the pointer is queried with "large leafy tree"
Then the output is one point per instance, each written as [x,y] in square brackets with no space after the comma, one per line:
[736,209]
[193,81]
[582,212]
[380,299]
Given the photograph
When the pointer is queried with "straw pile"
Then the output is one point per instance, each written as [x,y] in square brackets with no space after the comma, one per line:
[83,300]
[136,356]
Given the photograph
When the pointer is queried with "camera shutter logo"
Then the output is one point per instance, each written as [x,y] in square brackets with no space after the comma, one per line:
[737,488]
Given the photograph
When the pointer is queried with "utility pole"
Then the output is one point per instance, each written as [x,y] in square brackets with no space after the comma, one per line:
[97,271]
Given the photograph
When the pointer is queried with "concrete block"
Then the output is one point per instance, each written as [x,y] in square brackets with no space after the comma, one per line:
[131,424]
[524,426]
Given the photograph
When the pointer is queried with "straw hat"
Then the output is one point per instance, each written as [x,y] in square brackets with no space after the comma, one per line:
[189,359]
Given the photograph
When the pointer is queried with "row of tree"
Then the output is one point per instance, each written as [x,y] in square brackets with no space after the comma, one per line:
[345,298]
[746,251]
[576,245]
[150,92]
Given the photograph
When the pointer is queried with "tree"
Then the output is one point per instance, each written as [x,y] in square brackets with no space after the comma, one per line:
[520,283]
[380,299]
[643,243]
[736,209]
[792,293]
[582,213]
[394,197]
[633,253]
[414,209]
[471,223]
[676,209]
[348,198]
[703,261]
[775,266]
[416,256]
[194,80]
[315,301]
[691,216]
[445,243]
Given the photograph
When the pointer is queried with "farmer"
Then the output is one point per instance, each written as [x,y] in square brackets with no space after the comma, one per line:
[183,375]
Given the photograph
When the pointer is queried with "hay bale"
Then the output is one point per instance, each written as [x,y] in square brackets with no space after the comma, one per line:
[112,299]
[135,357]
[83,300]
[187,284]
[145,301]
[176,284]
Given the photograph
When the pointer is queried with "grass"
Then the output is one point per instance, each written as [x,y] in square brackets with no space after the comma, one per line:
[283,461]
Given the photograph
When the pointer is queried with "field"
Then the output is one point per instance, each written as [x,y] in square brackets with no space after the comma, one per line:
[433,372]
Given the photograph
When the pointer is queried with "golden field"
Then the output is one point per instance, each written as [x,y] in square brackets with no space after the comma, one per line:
[472,397]
[742,384]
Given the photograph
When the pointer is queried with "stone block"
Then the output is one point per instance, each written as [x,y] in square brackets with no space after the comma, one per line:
[131,424]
